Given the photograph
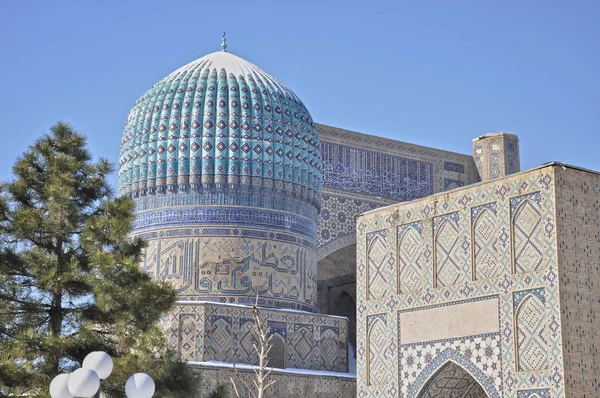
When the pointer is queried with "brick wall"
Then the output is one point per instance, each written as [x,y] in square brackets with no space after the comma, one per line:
[578,223]
[287,385]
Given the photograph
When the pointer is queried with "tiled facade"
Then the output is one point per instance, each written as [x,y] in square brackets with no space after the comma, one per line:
[203,331]
[499,278]
[363,172]
[496,155]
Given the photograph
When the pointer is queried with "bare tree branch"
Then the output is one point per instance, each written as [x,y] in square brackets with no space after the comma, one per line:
[260,382]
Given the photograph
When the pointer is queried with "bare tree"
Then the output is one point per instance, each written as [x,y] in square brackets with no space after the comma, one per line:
[260,383]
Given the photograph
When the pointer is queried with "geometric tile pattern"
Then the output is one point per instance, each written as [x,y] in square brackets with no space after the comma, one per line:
[527,230]
[378,363]
[486,241]
[356,178]
[449,265]
[303,344]
[460,365]
[247,341]
[397,178]
[481,352]
[507,222]
[377,265]
[330,349]
[337,221]
[187,335]
[221,343]
[531,330]
[203,129]
[537,393]
[452,381]
[410,258]
[226,333]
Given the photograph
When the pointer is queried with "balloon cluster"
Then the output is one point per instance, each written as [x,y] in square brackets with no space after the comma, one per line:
[85,382]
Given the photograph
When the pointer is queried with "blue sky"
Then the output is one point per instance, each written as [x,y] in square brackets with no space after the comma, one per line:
[435,73]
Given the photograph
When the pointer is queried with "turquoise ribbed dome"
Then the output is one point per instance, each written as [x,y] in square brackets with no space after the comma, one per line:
[220,124]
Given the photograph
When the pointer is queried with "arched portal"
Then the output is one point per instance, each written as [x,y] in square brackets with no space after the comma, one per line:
[336,289]
[452,375]
[343,305]
[452,381]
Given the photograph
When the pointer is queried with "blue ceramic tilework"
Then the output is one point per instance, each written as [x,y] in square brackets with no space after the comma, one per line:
[516,201]
[373,318]
[418,226]
[456,167]
[454,183]
[452,355]
[277,327]
[227,196]
[476,211]
[376,174]
[226,333]
[437,221]
[230,216]
[518,297]
[201,127]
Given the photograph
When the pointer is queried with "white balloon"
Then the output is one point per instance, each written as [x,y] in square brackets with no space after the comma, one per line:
[140,385]
[84,383]
[59,387]
[100,362]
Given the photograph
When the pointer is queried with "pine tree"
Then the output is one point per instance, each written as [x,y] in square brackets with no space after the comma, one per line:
[70,281]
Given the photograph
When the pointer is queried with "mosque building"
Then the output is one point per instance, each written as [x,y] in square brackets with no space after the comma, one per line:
[240,194]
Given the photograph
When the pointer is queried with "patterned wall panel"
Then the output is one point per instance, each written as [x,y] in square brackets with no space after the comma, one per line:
[483,220]
[487,247]
[449,259]
[187,337]
[378,362]
[531,330]
[337,221]
[377,265]
[411,258]
[329,347]
[247,341]
[363,172]
[308,341]
[229,265]
[220,337]
[303,346]
[527,232]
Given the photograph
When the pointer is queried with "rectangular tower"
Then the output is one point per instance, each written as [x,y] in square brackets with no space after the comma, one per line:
[496,155]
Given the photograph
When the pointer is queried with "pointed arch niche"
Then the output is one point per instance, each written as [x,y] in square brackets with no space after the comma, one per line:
[451,374]
[531,331]
[410,258]
[527,233]
[377,275]
[486,246]
[377,341]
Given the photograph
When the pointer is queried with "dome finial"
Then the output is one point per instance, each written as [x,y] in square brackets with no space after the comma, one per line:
[224,43]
